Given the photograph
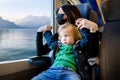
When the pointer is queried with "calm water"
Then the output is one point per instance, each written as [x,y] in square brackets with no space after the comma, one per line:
[17,44]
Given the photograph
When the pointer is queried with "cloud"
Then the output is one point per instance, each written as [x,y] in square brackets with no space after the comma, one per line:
[15,9]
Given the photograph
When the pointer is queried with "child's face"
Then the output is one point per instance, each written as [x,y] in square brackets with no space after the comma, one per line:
[67,36]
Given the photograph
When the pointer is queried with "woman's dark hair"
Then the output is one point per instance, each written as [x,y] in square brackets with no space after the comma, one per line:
[71,11]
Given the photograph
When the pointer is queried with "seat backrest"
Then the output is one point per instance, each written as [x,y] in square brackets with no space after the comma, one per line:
[110,9]
[87,12]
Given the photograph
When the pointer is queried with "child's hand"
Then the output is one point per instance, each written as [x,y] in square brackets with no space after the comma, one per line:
[93,61]
[44,28]
[84,23]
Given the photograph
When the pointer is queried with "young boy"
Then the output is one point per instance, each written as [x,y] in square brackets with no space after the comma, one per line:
[64,66]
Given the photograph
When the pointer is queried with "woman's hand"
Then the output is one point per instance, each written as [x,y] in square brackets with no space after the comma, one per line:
[84,23]
[44,28]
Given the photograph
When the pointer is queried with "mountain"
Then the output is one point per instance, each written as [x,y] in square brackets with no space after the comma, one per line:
[33,21]
[7,24]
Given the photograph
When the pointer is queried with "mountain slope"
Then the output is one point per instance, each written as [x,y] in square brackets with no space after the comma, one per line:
[7,24]
[33,21]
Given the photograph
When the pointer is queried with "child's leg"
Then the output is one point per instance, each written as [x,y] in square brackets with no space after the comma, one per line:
[68,74]
[46,75]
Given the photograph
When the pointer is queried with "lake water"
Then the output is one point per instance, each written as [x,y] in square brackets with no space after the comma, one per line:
[17,44]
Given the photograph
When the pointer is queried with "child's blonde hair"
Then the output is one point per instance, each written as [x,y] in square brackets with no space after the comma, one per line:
[77,34]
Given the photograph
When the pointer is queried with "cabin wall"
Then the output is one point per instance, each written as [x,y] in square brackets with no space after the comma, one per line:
[22,75]
[58,3]
[19,70]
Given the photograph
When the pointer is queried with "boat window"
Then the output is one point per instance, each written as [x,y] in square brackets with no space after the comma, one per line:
[19,21]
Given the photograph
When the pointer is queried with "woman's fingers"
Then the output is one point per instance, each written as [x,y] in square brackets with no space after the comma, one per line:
[80,23]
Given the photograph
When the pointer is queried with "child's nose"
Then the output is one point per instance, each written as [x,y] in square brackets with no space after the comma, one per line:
[64,39]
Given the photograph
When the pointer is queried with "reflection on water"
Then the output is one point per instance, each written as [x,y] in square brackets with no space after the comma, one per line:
[17,43]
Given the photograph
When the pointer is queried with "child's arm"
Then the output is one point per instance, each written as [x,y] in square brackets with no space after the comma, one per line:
[45,28]
[50,38]
[90,40]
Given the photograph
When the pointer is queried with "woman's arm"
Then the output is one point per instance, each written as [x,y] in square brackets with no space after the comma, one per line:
[51,40]
[41,49]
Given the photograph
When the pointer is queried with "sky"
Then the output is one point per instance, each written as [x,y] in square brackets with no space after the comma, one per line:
[17,9]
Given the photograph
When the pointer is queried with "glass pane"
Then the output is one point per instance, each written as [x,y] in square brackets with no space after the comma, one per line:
[19,21]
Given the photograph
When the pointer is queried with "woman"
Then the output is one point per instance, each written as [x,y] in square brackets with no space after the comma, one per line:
[88,44]
[88,29]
